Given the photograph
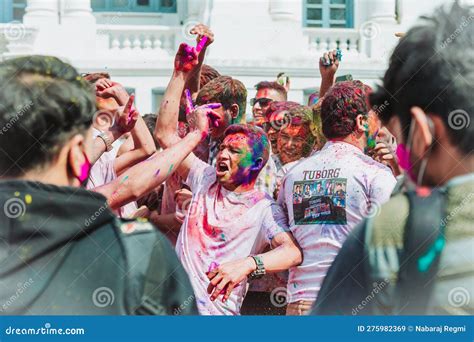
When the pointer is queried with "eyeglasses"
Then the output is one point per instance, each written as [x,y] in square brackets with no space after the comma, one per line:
[262,100]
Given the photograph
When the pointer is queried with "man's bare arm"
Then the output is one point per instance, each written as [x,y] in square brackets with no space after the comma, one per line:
[286,254]
[144,177]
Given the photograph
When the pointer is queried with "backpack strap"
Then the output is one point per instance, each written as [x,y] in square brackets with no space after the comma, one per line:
[424,240]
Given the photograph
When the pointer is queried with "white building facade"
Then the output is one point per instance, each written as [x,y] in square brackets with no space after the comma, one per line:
[136,40]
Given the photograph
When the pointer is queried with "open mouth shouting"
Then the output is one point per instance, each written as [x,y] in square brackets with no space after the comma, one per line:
[222,168]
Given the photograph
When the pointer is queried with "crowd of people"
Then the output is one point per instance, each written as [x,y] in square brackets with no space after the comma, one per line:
[359,201]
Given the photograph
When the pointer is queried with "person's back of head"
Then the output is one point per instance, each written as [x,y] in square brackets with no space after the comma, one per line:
[342,105]
[427,91]
[317,126]
[45,105]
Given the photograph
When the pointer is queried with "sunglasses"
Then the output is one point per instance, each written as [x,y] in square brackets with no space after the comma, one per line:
[263,101]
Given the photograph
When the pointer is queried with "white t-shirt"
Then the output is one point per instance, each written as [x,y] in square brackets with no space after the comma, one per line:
[223,226]
[326,196]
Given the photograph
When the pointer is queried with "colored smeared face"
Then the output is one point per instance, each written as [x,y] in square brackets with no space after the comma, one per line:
[292,143]
[234,161]
[275,122]
[373,125]
[263,98]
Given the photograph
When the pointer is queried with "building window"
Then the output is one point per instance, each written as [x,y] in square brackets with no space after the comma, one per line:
[157,95]
[164,6]
[328,13]
[12,10]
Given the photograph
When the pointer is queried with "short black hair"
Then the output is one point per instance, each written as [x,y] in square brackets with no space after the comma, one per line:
[43,103]
[226,91]
[208,73]
[272,85]
[432,67]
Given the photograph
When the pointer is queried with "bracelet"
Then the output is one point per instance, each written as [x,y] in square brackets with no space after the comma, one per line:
[260,271]
[108,144]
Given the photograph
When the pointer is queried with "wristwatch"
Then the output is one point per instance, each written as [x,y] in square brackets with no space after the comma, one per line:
[108,143]
[260,271]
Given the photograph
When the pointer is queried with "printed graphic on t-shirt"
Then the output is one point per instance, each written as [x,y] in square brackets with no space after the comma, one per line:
[320,201]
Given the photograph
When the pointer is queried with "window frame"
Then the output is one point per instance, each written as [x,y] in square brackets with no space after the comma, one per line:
[155,92]
[155,7]
[7,9]
[326,21]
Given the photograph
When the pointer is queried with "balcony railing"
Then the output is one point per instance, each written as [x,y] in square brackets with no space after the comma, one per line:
[158,41]
[17,39]
[324,39]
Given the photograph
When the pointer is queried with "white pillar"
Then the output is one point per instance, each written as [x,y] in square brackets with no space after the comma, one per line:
[378,33]
[77,12]
[78,29]
[286,29]
[383,10]
[285,10]
[41,12]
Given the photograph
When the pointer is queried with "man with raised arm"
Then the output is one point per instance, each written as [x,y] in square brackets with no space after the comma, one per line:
[229,222]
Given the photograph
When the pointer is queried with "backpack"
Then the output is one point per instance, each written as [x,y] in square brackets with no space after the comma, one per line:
[423,243]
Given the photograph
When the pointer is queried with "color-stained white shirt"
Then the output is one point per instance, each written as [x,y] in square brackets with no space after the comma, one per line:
[223,226]
[326,196]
